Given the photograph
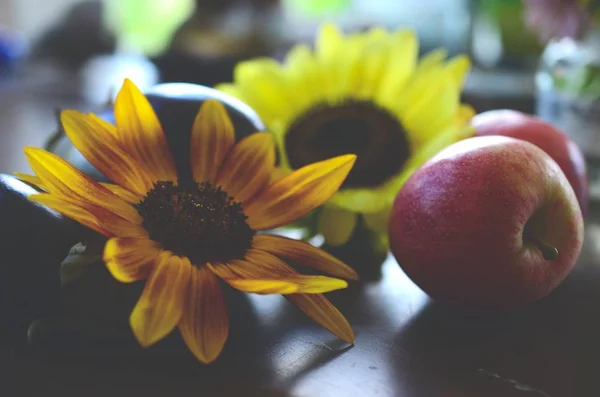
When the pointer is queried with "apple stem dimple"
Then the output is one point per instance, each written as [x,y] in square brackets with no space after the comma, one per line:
[549,252]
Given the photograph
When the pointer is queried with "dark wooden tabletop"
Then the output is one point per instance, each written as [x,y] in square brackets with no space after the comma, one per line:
[406,345]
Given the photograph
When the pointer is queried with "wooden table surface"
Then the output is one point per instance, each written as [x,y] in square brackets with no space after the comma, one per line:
[406,345]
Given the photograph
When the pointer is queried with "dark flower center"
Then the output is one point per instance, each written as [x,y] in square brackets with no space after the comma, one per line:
[351,127]
[196,220]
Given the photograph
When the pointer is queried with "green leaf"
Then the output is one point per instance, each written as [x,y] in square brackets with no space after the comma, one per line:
[77,263]
[97,306]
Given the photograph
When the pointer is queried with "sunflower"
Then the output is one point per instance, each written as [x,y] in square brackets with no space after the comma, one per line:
[366,94]
[182,236]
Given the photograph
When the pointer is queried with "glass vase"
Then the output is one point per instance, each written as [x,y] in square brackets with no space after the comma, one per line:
[568,96]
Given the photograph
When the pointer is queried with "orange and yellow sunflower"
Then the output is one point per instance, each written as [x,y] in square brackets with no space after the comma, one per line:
[183,236]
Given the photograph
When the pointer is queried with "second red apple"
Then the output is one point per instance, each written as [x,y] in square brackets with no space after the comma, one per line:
[544,135]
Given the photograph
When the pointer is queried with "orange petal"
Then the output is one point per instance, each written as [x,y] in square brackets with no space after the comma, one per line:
[141,135]
[318,308]
[278,173]
[297,194]
[124,194]
[116,225]
[130,259]
[248,167]
[70,210]
[160,307]
[62,179]
[103,150]
[109,128]
[104,221]
[304,254]
[204,325]
[212,138]
[121,192]
[256,264]
[263,273]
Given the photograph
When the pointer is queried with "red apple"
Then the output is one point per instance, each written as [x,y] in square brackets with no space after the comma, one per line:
[489,223]
[545,136]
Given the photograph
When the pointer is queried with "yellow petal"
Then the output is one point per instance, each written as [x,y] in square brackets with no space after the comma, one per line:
[303,254]
[263,286]
[336,225]
[433,59]
[264,86]
[318,308]
[374,60]
[212,138]
[458,67]
[329,42]
[317,284]
[303,76]
[141,135]
[130,259]
[297,194]
[204,325]
[160,307]
[248,167]
[62,179]
[329,51]
[230,89]
[70,210]
[31,179]
[263,273]
[103,150]
[287,284]
[399,67]
[429,100]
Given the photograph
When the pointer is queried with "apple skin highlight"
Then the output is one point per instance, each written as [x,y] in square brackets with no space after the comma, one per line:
[462,226]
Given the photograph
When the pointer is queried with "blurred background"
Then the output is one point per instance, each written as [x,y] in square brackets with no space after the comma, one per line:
[74,53]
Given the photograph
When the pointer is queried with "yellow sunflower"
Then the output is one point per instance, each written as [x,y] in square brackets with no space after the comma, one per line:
[182,236]
[366,94]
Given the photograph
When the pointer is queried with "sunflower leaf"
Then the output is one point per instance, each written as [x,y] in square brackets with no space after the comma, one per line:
[96,306]
[77,263]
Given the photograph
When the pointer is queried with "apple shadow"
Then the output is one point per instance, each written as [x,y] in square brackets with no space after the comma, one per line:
[544,349]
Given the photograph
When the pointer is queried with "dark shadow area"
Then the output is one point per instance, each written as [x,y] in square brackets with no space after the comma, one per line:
[71,363]
[33,242]
[546,349]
